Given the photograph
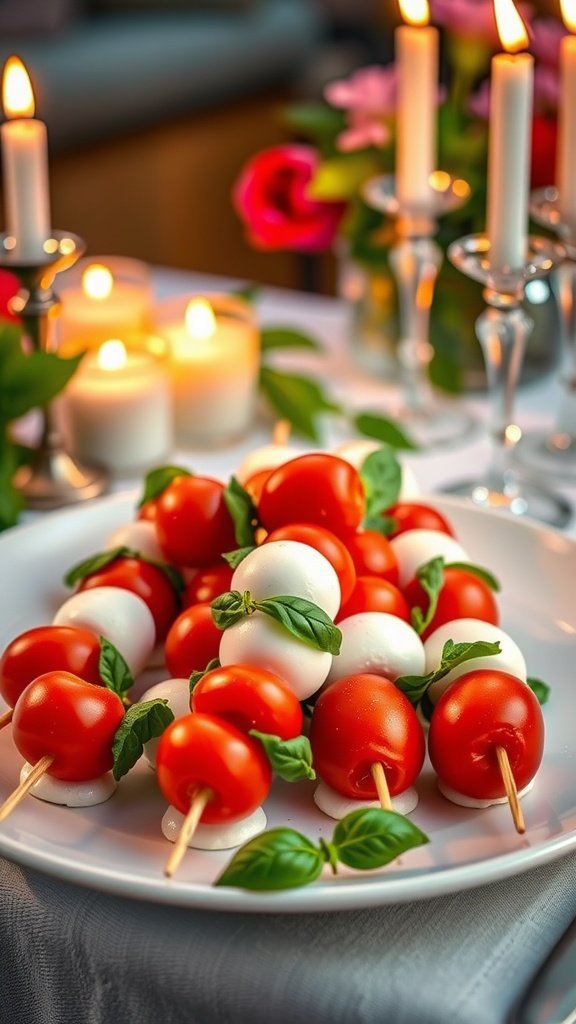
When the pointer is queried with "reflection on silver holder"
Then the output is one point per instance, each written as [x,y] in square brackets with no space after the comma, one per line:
[415,260]
[502,330]
[53,478]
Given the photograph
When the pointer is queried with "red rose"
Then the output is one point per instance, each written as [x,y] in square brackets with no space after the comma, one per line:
[9,286]
[544,135]
[271,198]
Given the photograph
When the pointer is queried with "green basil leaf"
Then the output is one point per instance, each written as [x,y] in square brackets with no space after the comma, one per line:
[157,480]
[230,607]
[380,524]
[11,500]
[431,579]
[304,620]
[539,688]
[248,293]
[174,576]
[452,655]
[290,759]
[196,676]
[300,400]
[279,859]
[286,337]
[382,429]
[142,722]
[243,512]
[29,379]
[370,838]
[96,562]
[114,671]
[382,478]
[476,570]
[426,707]
[235,557]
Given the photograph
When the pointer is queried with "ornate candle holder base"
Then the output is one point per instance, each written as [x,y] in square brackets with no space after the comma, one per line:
[53,478]
[502,331]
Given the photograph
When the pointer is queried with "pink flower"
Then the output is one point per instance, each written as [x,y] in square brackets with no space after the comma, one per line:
[546,36]
[368,96]
[471,18]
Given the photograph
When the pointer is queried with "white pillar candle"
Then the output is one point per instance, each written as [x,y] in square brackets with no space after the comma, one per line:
[25,165]
[214,367]
[416,48]
[117,409]
[511,98]
[108,297]
[566,158]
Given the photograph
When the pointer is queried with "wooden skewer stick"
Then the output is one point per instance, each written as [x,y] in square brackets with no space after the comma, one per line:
[39,769]
[281,432]
[6,717]
[379,776]
[511,790]
[199,801]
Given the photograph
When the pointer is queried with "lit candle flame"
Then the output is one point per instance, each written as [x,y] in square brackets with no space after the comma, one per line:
[111,355]
[568,8]
[17,95]
[415,12]
[97,282]
[511,28]
[200,319]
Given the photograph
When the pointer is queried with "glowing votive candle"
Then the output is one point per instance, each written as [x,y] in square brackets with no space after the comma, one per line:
[566,160]
[214,367]
[117,409]
[416,48]
[110,297]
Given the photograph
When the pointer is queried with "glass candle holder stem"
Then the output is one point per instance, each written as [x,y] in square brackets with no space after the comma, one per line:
[415,263]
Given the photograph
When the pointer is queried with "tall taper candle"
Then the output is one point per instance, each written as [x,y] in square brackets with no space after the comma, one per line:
[416,46]
[566,158]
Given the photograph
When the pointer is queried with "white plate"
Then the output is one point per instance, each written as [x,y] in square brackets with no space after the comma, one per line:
[118,846]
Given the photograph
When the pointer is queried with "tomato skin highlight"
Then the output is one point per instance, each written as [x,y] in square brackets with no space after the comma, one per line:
[192,641]
[316,488]
[328,544]
[463,596]
[249,698]
[208,584]
[359,720]
[478,712]
[417,516]
[193,524]
[373,555]
[146,581]
[199,751]
[74,721]
[373,594]
[46,649]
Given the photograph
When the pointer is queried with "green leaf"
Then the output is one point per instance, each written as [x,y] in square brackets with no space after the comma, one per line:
[380,524]
[142,722]
[243,512]
[297,399]
[94,563]
[11,500]
[370,838]
[431,578]
[290,759]
[114,671]
[286,337]
[304,620]
[317,121]
[235,557]
[452,655]
[539,688]
[29,379]
[174,576]
[279,859]
[340,178]
[199,674]
[382,478]
[382,429]
[157,480]
[249,293]
[230,607]
[476,570]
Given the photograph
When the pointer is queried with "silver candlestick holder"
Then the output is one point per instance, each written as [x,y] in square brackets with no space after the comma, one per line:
[502,330]
[52,478]
[415,260]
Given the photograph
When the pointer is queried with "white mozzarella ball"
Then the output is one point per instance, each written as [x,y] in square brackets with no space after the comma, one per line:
[380,643]
[469,801]
[269,456]
[289,567]
[87,793]
[119,616]
[356,453]
[259,640]
[215,837]
[337,806]
[177,693]
[140,536]
[415,547]
[466,631]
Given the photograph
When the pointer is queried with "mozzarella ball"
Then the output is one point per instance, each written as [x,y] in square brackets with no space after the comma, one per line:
[269,456]
[71,794]
[119,616]
[138,536]
[289,567]
[466,631]
[259,640]
[380,643]
[356,452]
[416,547]
[337,806]
[469,801]
[215,837]
[177,693]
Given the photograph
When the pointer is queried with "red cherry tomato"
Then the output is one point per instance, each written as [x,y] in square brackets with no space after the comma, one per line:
[146,581]
[478,712]
[192,641]
[316,488]
[44,649]
[207,584]
[360,720]
[328,545]
[414,516]
[193,524]
[373,555]
[255,483]
[249,698]
[372,594]
[148,511]
[199,751]
[74,721]
[463,596]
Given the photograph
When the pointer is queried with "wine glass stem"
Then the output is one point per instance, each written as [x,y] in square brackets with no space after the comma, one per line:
[415,264]
[564,283]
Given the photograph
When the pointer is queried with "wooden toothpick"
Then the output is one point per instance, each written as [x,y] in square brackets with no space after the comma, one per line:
[511,790]
[281,432]
[379,776]
[6,717]
[39,769]
[199,801]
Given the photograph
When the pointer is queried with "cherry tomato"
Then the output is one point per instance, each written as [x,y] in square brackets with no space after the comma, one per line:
[249,698]
[463,596]
[192,641]
[415,516]
[316,488]
[373,555]
[148,511]
[146,581]
[199,751]
[255,483]
[372,594]
[193,524]
[481,710]
[44,649]
[360,720]
[327,544]
[207,584]
[74,721]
